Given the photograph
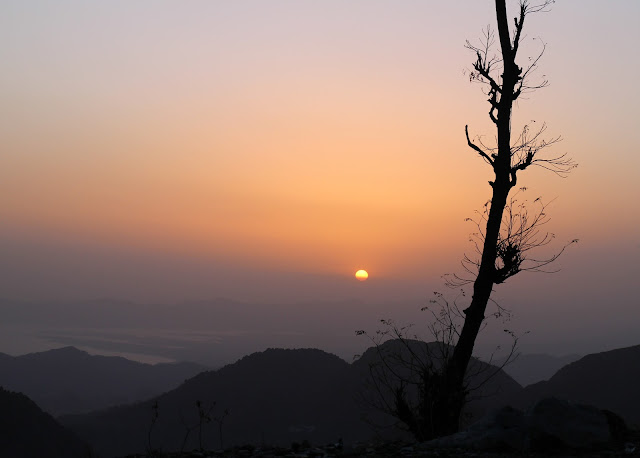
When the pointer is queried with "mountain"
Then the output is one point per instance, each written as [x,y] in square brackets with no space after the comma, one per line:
[68,380]
[608,380]
[275,397]
[484,381]
[28,432]
[531,368]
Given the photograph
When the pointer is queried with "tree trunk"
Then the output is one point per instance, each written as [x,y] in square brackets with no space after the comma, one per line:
[454,374]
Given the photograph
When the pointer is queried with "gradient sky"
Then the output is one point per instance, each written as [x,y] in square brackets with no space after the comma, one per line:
[265,151]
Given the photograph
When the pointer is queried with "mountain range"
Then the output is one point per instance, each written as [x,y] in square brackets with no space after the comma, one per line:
[67,380]
[531,368]
[282,396]
[608,380]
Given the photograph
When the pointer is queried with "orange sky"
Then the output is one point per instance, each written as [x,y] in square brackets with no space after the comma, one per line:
[296,137]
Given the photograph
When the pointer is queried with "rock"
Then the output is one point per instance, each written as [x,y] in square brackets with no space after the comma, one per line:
[499,430]
[552,424]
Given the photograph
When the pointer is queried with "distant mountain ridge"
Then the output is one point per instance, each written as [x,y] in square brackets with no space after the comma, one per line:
[529,368]
[224,334]
[608,380]
[67,380]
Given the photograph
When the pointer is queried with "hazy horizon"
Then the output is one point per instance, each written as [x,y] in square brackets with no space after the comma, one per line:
[166,153]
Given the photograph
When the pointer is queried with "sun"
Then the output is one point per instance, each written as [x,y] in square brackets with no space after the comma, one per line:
[362,275]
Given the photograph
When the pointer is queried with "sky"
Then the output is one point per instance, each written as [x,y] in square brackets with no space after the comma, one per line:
[161,152]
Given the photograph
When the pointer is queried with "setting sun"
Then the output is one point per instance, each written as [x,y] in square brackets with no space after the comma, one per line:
[362,275]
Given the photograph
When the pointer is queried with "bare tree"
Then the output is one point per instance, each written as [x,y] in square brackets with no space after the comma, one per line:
[506,234]
[509,228]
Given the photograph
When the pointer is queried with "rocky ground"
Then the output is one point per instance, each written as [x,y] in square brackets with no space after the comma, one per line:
[552,427]
[395,449]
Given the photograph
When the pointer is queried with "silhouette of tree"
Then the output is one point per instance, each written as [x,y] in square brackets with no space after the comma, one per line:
[508,229]
[506,234]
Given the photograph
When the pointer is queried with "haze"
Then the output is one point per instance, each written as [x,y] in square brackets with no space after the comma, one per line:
[262,152]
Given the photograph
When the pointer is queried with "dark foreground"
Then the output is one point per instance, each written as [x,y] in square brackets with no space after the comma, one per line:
[630,448]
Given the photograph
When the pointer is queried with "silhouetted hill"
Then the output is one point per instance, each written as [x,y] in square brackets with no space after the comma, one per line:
[28,432]
[537,367]
[607,380]
[68,380]
[274,397]
[484,381]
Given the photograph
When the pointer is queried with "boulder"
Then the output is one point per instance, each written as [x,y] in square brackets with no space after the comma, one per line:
[500,430]
[552,424]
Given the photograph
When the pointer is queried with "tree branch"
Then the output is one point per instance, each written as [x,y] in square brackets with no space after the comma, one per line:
[475,147]
[519,24]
